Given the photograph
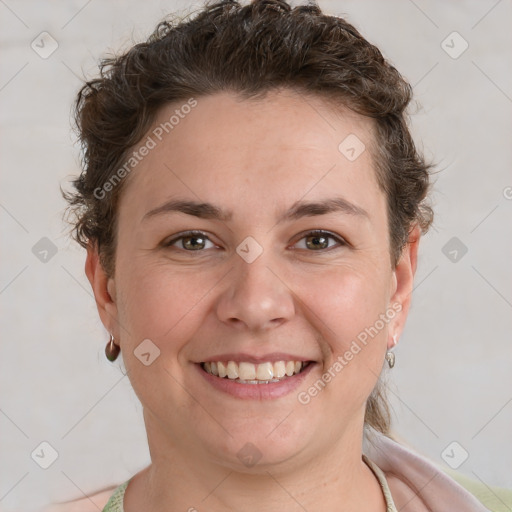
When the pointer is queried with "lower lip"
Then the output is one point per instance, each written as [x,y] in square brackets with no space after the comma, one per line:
[256,391]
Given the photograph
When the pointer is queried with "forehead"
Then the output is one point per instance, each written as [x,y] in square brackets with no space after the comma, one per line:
[266,151]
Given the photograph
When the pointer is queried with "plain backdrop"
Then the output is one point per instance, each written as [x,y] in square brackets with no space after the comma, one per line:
[452,381]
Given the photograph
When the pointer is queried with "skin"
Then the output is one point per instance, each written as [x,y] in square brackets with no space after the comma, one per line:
[255,158]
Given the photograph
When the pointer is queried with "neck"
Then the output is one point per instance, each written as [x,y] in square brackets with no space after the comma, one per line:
[180,478]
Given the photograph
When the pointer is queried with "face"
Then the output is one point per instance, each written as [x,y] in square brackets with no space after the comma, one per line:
[265,280]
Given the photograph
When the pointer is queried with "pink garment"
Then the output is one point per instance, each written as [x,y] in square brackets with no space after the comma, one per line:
[436,490]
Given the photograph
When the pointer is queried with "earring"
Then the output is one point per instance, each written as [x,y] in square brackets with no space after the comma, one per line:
[390,356]
[112,350]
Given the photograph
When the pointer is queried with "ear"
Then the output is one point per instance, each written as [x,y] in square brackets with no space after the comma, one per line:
[103,288]
[403,276]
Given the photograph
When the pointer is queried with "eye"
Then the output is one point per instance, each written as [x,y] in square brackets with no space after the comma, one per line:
[318,240]
[190,241]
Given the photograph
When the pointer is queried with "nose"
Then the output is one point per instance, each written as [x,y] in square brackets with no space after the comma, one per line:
[256,298]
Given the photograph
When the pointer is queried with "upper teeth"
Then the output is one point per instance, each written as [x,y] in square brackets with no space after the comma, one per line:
[248,371]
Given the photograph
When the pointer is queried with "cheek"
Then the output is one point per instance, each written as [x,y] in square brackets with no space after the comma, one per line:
[166,307]
[346,300]
[349,305]
[162,304]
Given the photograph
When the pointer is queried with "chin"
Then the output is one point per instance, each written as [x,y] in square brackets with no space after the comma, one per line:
[257,449]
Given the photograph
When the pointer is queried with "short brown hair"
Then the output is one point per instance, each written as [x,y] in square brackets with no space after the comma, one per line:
[249,50]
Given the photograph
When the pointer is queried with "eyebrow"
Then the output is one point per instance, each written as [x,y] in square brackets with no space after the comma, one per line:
[298,210]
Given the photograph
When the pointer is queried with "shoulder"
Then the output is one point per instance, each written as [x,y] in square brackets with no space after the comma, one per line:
[407,470]
[93,503]
[496,499]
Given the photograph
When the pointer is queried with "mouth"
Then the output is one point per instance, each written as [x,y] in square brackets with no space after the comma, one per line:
[244,372]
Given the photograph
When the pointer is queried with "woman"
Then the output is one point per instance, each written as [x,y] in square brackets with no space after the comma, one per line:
[252,204]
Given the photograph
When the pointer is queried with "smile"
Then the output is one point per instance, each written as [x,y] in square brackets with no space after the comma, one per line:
[249,373]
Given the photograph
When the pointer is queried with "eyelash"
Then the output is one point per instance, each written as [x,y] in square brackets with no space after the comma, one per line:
[317,232]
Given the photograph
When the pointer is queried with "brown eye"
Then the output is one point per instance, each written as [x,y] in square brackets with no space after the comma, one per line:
[193,241]
[319,240]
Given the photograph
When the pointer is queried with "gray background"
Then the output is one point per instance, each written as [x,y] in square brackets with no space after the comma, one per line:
[452,380]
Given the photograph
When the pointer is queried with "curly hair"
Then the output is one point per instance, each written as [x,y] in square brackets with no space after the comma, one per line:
[248,50]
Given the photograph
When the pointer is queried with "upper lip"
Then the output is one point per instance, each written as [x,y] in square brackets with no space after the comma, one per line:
[248,358]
